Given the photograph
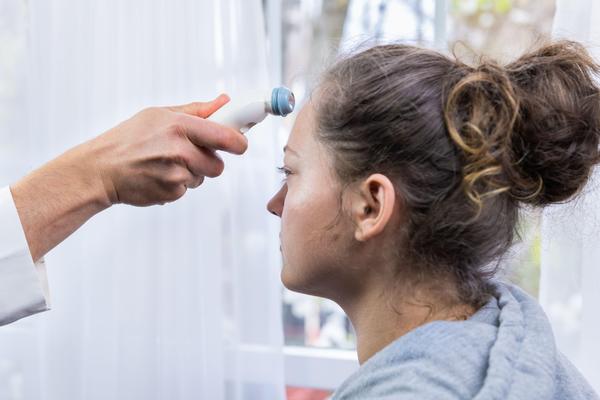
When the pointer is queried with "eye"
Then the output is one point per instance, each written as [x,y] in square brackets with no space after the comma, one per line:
[285,171]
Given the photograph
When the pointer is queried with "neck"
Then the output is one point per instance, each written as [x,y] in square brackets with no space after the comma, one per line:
[381,315]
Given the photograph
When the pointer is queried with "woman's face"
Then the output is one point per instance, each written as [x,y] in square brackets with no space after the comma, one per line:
[315,236]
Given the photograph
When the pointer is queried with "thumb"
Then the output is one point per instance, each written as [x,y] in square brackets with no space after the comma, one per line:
[202,109]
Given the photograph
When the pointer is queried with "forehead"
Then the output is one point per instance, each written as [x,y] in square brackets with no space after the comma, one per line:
[303,130]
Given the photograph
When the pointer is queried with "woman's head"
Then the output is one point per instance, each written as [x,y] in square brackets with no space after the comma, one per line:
[436,158]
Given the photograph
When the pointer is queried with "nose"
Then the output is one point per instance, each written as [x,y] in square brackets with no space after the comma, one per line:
[275,205]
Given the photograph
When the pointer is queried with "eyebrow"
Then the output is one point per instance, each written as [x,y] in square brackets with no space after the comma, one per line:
[288,148]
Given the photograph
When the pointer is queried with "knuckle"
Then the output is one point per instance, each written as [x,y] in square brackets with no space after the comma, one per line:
[179,118]
[178,177]
[150,111]
[175,154]
[154,117]
[176,193]
[174,125]
[173,177]
[176,128]
[171,157]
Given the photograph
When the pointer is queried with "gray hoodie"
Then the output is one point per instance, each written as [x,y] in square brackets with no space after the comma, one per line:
[506,350]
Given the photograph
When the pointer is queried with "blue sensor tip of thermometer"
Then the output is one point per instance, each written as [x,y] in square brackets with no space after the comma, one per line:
[282,101]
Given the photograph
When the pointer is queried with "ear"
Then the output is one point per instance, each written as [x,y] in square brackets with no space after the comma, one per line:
[373,206]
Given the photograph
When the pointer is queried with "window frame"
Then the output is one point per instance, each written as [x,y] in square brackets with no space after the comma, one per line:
[317,368]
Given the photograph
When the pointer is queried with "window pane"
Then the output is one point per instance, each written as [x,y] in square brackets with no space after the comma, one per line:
[313,321]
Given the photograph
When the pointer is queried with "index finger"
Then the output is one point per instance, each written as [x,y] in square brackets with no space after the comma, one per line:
[202,109]
[209,134]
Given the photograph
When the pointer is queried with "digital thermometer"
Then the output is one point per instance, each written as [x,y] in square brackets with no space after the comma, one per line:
[242,118]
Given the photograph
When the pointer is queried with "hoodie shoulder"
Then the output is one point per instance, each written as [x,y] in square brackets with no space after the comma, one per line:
[427,363]
[505,351]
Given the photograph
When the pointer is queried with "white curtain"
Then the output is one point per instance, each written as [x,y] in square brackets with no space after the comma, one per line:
[569,288]
[174,302]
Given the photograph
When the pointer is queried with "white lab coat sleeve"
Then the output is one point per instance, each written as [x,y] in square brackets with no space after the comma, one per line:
[23,284]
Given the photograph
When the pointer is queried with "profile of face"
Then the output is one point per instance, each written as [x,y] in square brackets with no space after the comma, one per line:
[326,226]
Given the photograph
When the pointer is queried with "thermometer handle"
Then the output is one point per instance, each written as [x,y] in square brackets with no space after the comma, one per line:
[240,118]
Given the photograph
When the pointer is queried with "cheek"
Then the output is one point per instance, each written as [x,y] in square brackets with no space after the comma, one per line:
[310,237]
[307,214]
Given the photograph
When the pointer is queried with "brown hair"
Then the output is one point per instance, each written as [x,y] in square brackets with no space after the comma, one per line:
[466,146]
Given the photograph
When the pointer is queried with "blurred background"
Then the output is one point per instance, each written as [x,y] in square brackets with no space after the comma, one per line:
[136,315]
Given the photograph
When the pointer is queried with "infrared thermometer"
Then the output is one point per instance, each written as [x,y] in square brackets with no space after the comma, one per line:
[281,102]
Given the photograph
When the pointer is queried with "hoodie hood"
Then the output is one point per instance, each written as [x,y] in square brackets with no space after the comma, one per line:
[506,350]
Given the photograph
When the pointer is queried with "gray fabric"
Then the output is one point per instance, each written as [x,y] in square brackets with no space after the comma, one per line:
[504,351]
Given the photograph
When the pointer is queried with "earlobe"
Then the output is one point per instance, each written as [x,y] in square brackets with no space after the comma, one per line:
[373,206]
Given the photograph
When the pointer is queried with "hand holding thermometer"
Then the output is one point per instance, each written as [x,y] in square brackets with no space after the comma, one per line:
[281,102]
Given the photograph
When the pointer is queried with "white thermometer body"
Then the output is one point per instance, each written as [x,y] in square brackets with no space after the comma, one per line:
[242,118]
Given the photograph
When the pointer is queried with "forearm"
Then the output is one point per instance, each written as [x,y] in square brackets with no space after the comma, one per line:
[56,199]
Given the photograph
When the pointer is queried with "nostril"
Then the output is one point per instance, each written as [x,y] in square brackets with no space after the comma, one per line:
[274,213]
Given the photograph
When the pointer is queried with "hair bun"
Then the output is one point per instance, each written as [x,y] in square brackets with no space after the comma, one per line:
[530,129]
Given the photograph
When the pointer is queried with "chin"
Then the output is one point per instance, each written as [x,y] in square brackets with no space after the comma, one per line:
[302,282]
[290,280]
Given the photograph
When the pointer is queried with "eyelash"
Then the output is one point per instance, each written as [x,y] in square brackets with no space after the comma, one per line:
[284,171]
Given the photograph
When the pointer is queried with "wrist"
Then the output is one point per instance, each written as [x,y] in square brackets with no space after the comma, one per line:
[82,169]
[56,199]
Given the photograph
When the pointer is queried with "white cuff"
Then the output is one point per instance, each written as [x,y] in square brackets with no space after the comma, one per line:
[23,284]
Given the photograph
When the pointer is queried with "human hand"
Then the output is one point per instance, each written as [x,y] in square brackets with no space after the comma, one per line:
[156,155]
